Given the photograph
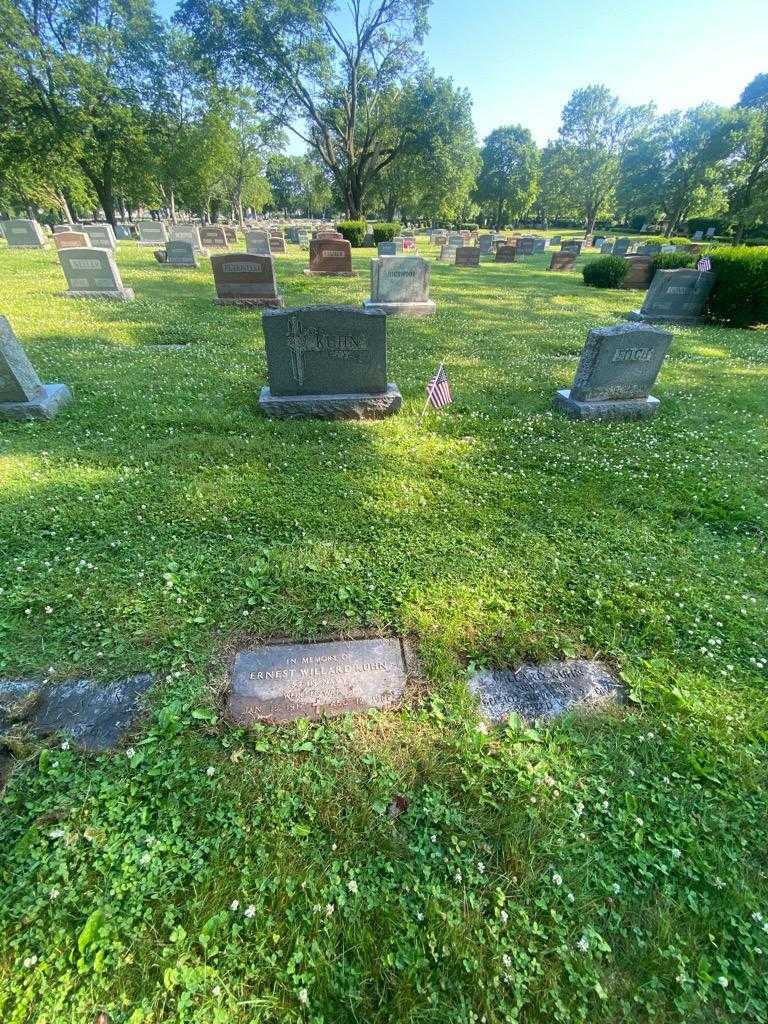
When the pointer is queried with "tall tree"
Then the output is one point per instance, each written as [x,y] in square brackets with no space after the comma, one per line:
[87,67]
[594,132]
[507,184]
[297,184]
[349,83]
[748,177]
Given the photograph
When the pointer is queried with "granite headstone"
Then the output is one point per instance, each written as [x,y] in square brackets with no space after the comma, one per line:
[92,274]
[22,394]
[400,286]
[242,279]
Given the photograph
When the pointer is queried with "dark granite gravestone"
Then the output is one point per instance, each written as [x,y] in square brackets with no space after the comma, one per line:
[539,245]
[179,253]
[571,245]
[467,256]
[710,232]
[328,362]
[563,260]
[485,244]
[245,280]
[387,249]
[555,240]
[285,682]
[400,286]
[213,236]
[330,258]
[93,274]
[95,716]
[676,297]
[606,249]
[621,246]
[24,234]
[616,372]
[506,253]
[152,232]
[369,241]
[22,395]
[525,246]
[649,249]
[639,272]
[543,691]
[71,240]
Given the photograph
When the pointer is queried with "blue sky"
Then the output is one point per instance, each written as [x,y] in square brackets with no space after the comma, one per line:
[521,59]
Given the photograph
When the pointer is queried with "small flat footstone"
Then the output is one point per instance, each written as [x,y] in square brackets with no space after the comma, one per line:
[95,716]
[284,682]
[543,691]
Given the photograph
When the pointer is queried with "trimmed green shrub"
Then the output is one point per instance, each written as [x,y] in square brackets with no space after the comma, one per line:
[694,224]
[661,240]
[354,231]
[740,294]
[606,272]
[673,261]
[755,241]
[385,232]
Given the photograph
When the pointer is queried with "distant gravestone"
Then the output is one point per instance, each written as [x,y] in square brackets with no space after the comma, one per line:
[399,243]
[63,227]
[669,248]
[152,232]
[676,297]
[506,253]
[639,272]
[101,235]
[525,246]
[213,236]
[256,244]
[288,681]
[621,246]
[122,233]
[387,249]
[711,232]
[564,260]
[277,244]
[698,236]
[467,256]
[649,249]
[606,249]
[455,239]
[188,233]
[543,691]
[368,241]
[71,240]
[571,245]
[330,258]
[439,238]
[555,240]
[92,274]
[328,362]
[230,234]
[400,286]
[242,279]
[539,245]
[447,254]
[598,241]
[24,234]
[180,253]
[616,372]
[22,395]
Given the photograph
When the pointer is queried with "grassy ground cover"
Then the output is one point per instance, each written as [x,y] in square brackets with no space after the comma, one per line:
[604,869]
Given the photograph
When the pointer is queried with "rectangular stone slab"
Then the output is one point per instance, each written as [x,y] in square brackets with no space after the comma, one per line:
[287,681]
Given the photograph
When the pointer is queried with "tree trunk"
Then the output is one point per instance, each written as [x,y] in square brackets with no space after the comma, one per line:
[173,206]
[64,207]
[591,218]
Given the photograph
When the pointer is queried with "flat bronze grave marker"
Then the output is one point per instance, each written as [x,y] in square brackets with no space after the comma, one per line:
[284,682]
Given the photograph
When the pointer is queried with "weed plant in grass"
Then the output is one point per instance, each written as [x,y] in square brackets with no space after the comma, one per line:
[599,870]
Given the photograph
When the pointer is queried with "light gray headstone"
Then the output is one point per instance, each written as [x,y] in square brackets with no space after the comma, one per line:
[24,234]
[400,285]
[256,244]
[698,235]
[101,235]
[187,233]
[122,233]
[92,273]
[22,393]
[152,232]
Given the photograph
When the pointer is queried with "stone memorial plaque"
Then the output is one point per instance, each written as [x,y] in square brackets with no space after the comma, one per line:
[639,272]
[24,234]
[571,245]
[152,232]
[328,362]
[621,246]
[447,254]
[101,235]
[525,246]
[485,244]
[179,253]
[330,258]
[400,286]
[213,236]
[506,253]
[387,249]
[245,280]
[71,240]
[277,244]
[676,297]
[467,256]
[616,372]
[22,394]
[544,691]
[188,233]
[289,681]
[563,260]
[92,273]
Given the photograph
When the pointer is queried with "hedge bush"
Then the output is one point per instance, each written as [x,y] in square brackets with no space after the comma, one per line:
[661,240]
[385,232]
[673,261]
[354,231]
[740,294]
[606,272]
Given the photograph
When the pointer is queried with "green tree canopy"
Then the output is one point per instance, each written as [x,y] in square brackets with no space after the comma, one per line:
[507,185]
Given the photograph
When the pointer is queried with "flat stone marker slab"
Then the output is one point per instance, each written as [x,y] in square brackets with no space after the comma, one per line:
[289,681]
[506,253]
[71,240]
[676,297]
[616,372]
[23,396]
[330,258]
[467,256]
[543,691]
[93,274]
[24,234]
[327,362]
[400,286]
[245,280]
[94,715]
[564,260]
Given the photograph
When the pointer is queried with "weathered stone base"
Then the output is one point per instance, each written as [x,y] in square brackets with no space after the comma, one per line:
[123,295]
[331,273]
[331,407]
[276,303]
[623,409]
[402,308]
[638,316]
[52,398]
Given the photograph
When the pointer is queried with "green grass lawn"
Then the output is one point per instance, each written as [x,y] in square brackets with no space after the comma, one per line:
[603,869]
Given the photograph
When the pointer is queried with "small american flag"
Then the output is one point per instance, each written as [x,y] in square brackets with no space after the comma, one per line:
[439,390]
[705,263]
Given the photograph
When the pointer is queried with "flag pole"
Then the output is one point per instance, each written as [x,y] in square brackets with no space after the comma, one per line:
[430,390]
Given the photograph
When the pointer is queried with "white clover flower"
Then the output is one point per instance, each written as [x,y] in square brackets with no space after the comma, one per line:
[130,752]
[583,944]
[216,990]
[557,879]
[303,996]
[234,905]
[56,833]
[722,981]
[433,839]
[30,961]
[250,911]
[65,745]
[210,771]
[482,728]
[352,885]
[329,909]
[481,867]
[506,960]
[145,858]
[54,894]
[503,916]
